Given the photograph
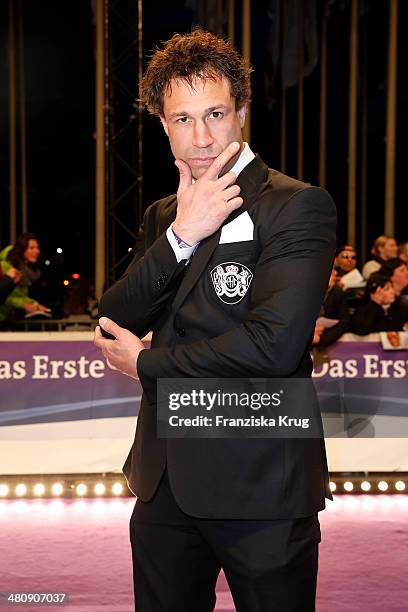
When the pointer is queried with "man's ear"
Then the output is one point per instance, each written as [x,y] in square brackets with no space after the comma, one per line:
[242,114]
[164,124]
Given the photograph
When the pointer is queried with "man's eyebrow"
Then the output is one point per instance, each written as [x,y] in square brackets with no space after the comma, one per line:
[210,109]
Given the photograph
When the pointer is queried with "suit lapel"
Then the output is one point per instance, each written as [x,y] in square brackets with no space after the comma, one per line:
[251,180]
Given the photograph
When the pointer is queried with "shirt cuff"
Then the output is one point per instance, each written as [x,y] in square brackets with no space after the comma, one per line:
[181,253]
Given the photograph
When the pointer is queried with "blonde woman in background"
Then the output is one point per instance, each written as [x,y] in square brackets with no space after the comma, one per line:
[385,248]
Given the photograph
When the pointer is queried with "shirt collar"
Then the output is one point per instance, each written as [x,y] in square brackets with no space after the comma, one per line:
[243,160]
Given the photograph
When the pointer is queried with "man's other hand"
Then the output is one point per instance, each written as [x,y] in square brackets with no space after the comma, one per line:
[203,206]
[121,353]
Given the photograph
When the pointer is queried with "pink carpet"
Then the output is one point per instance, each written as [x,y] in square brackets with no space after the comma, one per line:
[82,547]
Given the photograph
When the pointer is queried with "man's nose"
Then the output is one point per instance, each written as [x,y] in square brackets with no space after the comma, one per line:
[202,136]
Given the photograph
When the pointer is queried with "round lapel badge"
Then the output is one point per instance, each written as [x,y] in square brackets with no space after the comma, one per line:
[231,281]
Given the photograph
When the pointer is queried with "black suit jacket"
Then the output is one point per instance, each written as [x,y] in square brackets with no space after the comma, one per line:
[266,334]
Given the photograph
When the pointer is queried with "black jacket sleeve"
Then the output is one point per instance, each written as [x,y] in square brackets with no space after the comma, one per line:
[150,281]
[288,287]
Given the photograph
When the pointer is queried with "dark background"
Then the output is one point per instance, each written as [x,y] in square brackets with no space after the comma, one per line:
[60,85]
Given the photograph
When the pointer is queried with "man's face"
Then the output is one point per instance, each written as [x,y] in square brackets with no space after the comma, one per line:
[201,121]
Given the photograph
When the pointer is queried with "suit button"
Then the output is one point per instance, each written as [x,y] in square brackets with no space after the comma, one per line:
[181,331]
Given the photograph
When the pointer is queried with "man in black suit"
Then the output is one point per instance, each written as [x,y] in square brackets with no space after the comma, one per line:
[247,505]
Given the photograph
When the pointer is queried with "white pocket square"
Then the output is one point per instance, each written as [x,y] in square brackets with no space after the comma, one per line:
[238,230]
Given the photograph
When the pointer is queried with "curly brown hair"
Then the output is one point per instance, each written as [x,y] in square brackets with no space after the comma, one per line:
[198,55]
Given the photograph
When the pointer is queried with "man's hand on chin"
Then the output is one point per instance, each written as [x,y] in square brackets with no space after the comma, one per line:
[121,353]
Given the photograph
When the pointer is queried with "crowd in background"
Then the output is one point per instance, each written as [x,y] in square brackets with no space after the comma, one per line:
[28,281]
[373,300]
[19,271]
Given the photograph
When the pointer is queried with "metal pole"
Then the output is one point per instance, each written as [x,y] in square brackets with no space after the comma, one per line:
[352,131]
[110,179]
[283,102]
[323,103]
[300,97]
[364,136]
[246,52]
[283,133]
[12,125]
[22,109]
[140,111]
[389,217]
[100,150]
[231,20]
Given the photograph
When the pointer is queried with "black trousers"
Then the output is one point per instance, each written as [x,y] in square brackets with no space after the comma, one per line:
[270,565]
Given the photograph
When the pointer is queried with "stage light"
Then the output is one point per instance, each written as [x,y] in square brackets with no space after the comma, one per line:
[130,249]
[43,486]
[21,489]
[76,276]
[47,262]
[4,490]
[117,488]
[39,489]
[59,250]
[57,488]
[99,488]
[81,489]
